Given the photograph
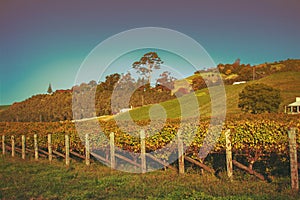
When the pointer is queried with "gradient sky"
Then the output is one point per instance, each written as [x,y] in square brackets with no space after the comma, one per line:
[46,41]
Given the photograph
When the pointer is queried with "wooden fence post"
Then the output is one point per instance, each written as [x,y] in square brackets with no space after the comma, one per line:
[50,147]
[87,150]
[23,147]
[293,159]
[3,144]
[67,144]
[228,154]
[112,150]
[143,151]
[12,146]
[36,148]
[180,153]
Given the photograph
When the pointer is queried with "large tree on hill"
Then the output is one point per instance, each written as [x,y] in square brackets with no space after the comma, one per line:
[145,66]
[259,98]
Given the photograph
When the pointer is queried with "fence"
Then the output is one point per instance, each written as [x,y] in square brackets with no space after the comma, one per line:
[143,161]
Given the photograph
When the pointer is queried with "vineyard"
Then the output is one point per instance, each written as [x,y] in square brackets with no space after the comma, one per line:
[259,143]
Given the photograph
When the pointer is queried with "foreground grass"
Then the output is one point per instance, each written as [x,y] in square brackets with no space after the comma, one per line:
[40,180]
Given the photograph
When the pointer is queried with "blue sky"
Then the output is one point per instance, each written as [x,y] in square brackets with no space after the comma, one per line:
[46,41]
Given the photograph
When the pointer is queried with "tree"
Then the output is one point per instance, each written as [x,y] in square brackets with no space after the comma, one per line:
[236,65]
[259,98]
[110,81]
[147,64]
[165,79]
[198,83]
[49,89]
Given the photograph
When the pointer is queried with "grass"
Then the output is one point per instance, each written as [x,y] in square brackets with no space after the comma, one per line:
[287,82]
[173,108]
[28,179]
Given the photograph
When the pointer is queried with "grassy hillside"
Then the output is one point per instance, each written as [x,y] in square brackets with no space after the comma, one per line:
[287,82]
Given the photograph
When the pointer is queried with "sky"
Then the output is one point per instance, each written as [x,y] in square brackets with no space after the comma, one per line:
[44,42]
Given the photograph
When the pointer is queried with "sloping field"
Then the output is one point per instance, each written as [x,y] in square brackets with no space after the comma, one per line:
[287,82]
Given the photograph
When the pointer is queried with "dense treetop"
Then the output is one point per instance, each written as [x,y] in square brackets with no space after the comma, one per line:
[259,98]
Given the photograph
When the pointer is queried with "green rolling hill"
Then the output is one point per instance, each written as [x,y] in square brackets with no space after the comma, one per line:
[287,82]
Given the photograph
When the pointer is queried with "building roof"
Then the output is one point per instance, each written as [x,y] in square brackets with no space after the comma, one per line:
[296,103]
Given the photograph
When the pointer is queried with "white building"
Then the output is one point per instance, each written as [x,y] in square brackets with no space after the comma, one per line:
[239,82]
[125,109]
[293,108]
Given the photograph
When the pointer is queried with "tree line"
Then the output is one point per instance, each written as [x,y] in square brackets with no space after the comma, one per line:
[57,106]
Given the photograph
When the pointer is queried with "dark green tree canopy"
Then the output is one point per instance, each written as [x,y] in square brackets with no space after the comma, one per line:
[259,98]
